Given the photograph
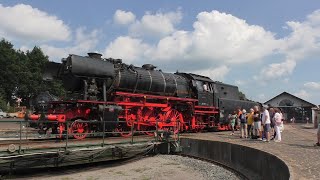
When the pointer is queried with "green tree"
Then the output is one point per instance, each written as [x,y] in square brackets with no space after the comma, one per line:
[3,104]
[21,74]
[8,62]
[242,96]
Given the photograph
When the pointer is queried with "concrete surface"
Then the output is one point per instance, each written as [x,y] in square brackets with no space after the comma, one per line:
[297,148]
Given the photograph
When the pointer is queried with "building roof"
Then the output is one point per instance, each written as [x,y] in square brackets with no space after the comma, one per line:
[311,104]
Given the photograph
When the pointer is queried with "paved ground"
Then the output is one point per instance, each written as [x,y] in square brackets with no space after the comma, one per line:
[297,148]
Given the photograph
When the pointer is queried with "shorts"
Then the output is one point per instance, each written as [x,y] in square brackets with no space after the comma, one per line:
[257,125]
[266,127]
[232,123]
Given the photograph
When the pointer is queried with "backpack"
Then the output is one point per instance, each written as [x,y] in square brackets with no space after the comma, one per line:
[243,118]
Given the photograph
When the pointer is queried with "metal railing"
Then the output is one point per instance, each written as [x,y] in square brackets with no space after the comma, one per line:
[22,134]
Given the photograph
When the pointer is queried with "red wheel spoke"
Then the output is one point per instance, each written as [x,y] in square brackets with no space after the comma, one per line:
[79,130]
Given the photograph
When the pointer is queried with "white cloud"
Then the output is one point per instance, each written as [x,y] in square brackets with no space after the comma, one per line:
[302,94]
[312,85]
[303,41]
[228,39]
[25,22]
[126,48]
[216,74]
[83,43]
[172,47]
[277,70]
[123,18]
[217,39]
[156,25]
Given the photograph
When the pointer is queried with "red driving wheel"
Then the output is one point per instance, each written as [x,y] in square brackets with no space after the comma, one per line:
[79,130]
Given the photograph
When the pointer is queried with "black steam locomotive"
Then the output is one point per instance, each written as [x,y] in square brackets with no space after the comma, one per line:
[142,98]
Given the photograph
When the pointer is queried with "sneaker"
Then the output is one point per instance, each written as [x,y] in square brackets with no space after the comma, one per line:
[231,134]
[264,140]
[277,141]
[259,139]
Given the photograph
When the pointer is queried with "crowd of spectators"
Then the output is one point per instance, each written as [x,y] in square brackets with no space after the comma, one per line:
[261,123]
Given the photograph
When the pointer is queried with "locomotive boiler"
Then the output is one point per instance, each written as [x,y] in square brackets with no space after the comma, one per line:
[120,97]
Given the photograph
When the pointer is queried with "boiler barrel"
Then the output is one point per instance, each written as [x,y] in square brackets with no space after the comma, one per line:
[140,80]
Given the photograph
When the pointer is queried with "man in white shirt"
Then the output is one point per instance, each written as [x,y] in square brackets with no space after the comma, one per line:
[266,122]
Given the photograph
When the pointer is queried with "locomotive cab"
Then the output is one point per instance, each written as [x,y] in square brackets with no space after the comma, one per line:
[204,91]
[202,88]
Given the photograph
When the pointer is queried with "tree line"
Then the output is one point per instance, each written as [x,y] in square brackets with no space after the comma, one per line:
[21,75]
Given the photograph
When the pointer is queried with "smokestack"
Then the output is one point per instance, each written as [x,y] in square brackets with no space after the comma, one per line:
[95,55]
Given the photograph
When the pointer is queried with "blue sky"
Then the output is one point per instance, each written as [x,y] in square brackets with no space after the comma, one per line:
[265,48]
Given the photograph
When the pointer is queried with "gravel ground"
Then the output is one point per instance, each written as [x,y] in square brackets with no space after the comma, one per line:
[160,167]
[206,169]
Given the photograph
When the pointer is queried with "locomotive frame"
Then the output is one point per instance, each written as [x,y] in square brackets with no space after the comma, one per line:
[143,98]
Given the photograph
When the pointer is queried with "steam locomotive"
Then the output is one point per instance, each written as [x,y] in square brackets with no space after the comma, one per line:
[121,97]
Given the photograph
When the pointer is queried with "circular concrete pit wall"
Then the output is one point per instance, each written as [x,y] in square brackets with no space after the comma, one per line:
[252,163]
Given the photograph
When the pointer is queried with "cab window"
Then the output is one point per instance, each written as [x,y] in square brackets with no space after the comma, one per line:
[199,85]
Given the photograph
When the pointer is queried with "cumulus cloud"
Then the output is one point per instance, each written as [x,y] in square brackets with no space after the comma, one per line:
[302,42]
[223,37]
[216,40]
[277,70]
[123,18]
[83,43]
[171,47]
[312,85]
[127,48]
[216,74]
[155,25]
[25,22]
[304,39]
